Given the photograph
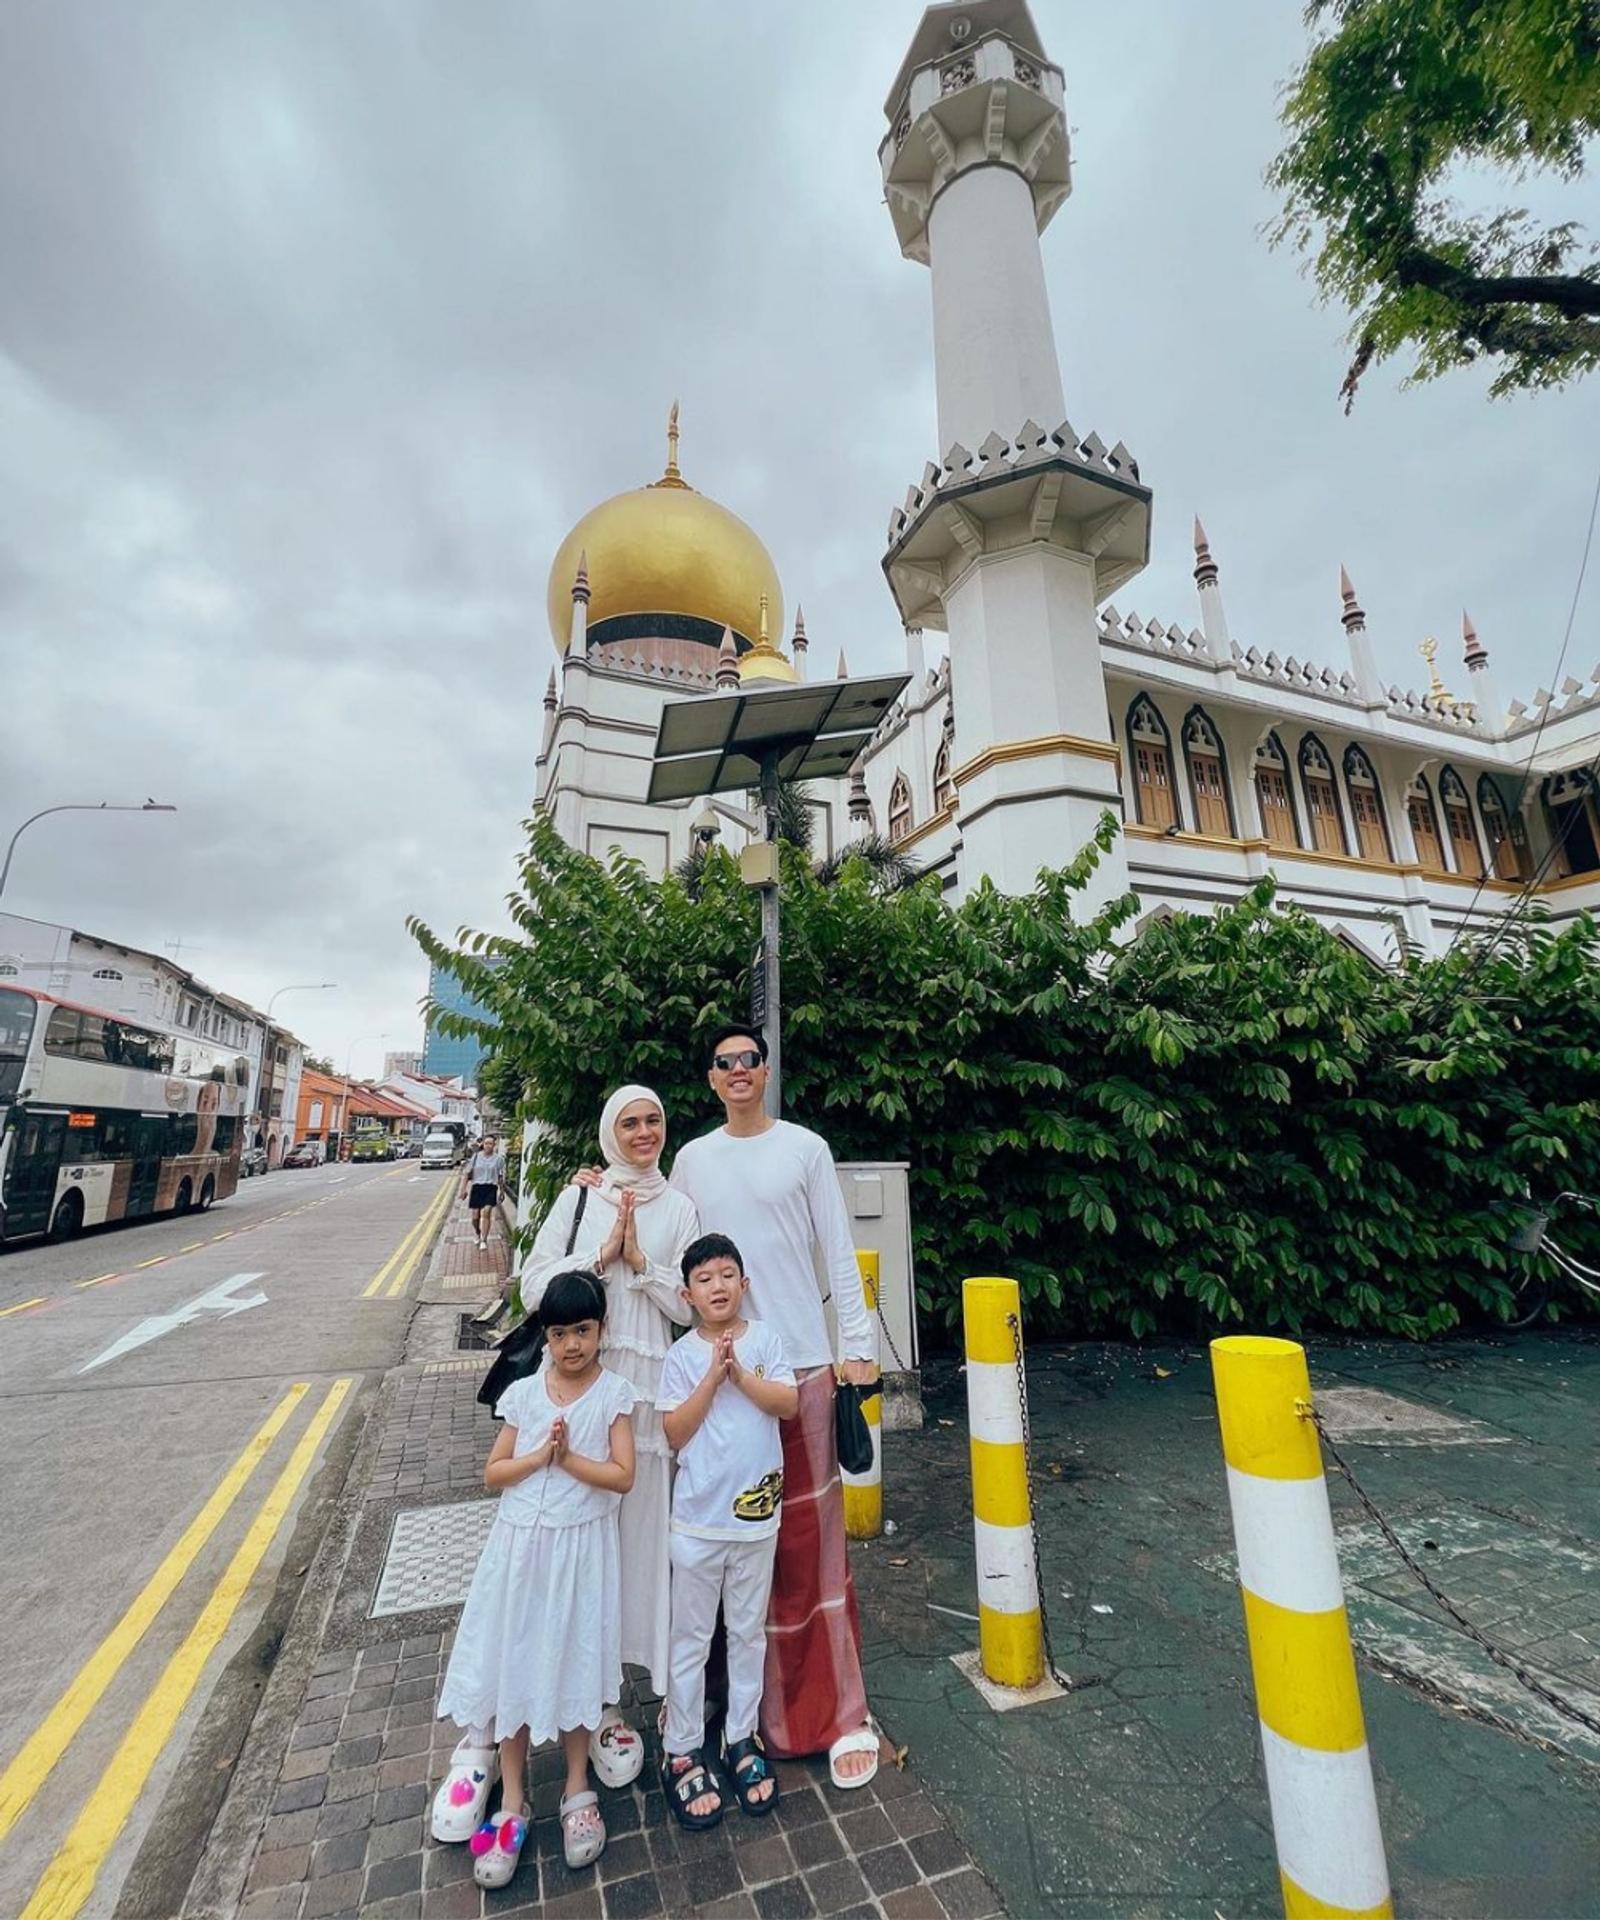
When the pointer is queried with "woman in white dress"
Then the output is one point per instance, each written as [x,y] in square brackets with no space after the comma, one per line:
[632,1236]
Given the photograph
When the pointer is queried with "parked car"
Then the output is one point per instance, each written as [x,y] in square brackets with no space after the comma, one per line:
[305,1153]
[251,1162]
[442,1150]
[371,1146]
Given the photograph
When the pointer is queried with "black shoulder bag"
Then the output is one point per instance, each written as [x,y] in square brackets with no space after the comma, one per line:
[523,1347]
[850,1427]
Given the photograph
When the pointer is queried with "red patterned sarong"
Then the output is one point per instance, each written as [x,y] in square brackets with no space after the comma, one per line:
[814,1688]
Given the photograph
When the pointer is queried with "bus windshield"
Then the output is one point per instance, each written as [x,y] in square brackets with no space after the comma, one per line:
[17,1014]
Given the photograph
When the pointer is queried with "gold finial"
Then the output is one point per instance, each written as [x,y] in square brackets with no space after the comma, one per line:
[1437,690]
[763,634]
[764,661]
[672,477]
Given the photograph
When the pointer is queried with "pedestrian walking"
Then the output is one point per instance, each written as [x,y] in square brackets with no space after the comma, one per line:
[723,1390]
[538,1650]
[485,1181]
[631,1230]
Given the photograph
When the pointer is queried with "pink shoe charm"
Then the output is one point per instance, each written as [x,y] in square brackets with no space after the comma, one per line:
[496,1848]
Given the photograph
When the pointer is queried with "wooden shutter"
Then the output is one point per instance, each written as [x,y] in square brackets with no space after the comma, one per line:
[1327,834]
[1277,814]
[1369,823]
[1210,796]
[1425,831]
[1157,802]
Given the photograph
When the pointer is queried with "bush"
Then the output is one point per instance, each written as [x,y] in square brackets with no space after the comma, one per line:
[1232,1119]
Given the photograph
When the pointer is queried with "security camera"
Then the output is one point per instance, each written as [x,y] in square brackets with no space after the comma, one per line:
[706,826]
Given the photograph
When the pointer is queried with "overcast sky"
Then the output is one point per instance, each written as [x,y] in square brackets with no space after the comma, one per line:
[320,323]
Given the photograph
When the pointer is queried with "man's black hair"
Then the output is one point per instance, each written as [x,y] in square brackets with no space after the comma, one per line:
[710,1246]
[571,1297]
[734,1030]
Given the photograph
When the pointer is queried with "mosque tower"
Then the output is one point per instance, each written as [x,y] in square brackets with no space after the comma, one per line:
[1023,527]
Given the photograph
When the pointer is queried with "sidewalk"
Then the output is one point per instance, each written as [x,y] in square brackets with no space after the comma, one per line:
[345,1831]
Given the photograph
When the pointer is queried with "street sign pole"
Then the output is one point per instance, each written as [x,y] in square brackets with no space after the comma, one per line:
[771,937]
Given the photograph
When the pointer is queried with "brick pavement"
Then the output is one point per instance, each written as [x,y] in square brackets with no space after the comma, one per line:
[346,1831]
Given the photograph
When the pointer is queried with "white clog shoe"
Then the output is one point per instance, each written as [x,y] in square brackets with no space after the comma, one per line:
[616,1751]
[496,1849]
[464,1793]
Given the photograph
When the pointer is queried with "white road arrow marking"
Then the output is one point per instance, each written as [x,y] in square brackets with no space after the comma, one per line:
[220,1300]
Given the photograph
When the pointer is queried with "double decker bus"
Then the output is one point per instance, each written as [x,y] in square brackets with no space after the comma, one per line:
[102,1119]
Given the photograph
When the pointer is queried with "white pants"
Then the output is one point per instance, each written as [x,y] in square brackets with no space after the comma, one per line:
[737,1574]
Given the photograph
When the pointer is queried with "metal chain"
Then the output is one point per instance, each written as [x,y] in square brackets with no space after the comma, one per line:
[1501,1658]
[877,1307]
[1050,1666]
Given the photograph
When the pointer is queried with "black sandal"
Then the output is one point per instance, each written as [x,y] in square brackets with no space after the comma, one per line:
[690,1783]
[745,1763]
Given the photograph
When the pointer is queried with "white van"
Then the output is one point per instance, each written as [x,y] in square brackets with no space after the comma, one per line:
[442,1149]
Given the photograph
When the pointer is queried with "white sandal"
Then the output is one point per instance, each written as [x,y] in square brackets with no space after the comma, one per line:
[464,1792]
[583,1832]
[859,1740]
[497,1848]
[616,1752]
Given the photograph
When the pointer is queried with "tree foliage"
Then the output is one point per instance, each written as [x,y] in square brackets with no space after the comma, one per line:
[1400,105]
[1232,1120]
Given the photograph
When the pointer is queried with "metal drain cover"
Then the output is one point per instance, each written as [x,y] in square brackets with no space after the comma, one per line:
[433,1554]
[1367,1416]
[470,1337]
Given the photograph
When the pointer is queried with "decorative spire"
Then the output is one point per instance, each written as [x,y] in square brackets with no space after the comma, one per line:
[1473,651]
[799,643]
[1205,568]
[764,661]
[727,663]
[580,584]
[550,693]
[844,667]
[1355,621]
[672,477]
[859,807]
[1437,690]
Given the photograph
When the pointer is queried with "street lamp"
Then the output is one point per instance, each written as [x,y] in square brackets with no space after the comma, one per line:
[269,1053]
[80,806]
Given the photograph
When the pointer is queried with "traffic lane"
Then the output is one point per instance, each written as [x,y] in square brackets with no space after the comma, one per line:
[109,1475]
[312,1247]
[44,1266]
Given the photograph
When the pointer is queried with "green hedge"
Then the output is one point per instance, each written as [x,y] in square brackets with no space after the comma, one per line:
[1229,1120]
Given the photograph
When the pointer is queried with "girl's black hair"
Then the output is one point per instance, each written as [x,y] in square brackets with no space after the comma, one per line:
[571,1297]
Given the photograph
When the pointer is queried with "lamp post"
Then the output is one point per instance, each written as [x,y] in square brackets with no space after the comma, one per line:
[79,806]
[269,1052]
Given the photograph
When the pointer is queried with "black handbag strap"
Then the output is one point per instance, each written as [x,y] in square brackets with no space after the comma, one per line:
[583,1201]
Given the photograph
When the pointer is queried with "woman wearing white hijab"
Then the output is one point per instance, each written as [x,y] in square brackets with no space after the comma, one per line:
[633,1234]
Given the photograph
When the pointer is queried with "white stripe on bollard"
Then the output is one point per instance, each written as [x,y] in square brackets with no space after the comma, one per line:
[994,1412]
[1326,1820]
[1005,1567]
[1284,1533]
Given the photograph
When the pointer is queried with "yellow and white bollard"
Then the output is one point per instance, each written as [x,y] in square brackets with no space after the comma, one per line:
[1319,1773]
[863,1492]
[1010,1633]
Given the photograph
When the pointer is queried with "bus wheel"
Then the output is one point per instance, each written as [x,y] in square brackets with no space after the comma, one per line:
[208,1193]
[68,1217]
[185,1197]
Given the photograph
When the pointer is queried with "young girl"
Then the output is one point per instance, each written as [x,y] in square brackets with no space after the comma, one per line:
[539,1649]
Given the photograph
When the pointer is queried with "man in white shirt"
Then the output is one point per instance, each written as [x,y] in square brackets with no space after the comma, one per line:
[770,1186]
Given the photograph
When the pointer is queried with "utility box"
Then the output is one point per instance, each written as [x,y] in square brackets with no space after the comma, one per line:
[877,1199]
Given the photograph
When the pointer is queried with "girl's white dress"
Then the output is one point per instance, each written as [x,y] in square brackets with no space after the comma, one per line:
[641,1309]
[540,1639]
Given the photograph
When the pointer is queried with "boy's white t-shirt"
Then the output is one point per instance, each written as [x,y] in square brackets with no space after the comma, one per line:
[730,1475]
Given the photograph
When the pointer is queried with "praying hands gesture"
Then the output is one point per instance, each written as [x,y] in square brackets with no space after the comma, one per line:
[622,1243]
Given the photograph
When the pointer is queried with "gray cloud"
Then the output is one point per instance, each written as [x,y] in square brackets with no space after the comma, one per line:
[320,325]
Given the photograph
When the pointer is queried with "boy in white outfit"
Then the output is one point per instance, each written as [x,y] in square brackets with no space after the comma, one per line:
[724,1388]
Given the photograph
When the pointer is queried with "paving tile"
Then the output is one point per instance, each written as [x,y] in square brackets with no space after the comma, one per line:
[340,1892]
[344,1816]
[572,1899]
[889,1868]
[307,1764]
[361,1752]
[448,1866]
[634,1899]
[284,1866]
[837,1886]
[406,1770]
[355,1783]
[290,1829]
[394,1803]
[799,1807]
[404,1906]
[733,1906]
[811,1846]
[867,1829]
[967,1896]
[460,1902]
[768,1859]
[342,1854]
[296,1794]
[785,1900]
[913,1815]
[624,1857]
[402,1874]
[912,1903]
[939,1852]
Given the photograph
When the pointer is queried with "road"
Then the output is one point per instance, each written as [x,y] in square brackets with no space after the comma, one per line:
[174,1397]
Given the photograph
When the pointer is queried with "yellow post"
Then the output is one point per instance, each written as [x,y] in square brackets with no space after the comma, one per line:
[1319,1774]
[1010,1635]
[863,1492]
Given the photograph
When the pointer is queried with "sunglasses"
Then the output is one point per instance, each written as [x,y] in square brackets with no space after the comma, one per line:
[726,1062]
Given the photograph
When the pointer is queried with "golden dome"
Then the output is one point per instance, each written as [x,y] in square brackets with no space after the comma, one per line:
[665,549]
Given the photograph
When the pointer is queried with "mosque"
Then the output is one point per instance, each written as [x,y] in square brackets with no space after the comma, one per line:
[1382,811]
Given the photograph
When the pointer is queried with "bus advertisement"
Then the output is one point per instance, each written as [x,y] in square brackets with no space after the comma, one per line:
[103,1120]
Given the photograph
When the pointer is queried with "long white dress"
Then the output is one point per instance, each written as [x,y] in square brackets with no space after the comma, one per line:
[539,1644]
[641,1310]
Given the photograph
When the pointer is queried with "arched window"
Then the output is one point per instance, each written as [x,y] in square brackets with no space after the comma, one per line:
[1366,805]
[1569,805]
[9,969]
[1322,802]
[944,788]
[1506,832]
[1424,824]
[1155,798]
[899,808]
[1464,848]
[1273,798]
[1208,779]
[106,973]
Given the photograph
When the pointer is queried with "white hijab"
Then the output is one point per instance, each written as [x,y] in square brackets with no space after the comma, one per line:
[644,1182]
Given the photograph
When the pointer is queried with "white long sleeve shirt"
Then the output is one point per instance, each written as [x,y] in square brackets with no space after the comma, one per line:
[776,1196]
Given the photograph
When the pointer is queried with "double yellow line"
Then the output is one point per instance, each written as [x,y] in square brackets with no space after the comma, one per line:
[393,1276]
[70,1877]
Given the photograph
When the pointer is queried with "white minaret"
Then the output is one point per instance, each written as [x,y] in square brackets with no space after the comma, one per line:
[1363,663]
[1480,679]
[1012,540]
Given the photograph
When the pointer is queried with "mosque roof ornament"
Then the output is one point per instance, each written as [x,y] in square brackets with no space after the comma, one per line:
[1205,568]
[1353,619]
[728,663]
[764,661]
[1473,651]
